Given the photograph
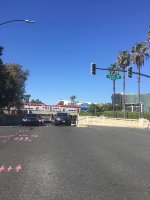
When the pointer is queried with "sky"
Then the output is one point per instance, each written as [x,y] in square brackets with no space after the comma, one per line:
[67,37]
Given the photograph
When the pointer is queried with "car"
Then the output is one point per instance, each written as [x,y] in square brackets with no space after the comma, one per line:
[32,119]
[61,118]
[47,118]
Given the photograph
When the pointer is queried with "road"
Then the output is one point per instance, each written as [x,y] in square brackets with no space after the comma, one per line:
[70,163]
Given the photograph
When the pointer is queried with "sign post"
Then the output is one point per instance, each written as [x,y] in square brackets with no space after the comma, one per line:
[113,77]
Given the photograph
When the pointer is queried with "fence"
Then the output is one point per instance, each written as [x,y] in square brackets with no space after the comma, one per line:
[118,122]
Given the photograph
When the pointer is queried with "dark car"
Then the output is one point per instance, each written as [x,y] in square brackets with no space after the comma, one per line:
[32,119]
[61,118]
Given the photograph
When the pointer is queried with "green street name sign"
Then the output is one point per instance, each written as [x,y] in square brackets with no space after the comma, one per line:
[113,76]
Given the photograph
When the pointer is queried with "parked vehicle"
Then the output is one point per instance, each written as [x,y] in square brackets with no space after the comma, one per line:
[32,119]
[47,118]
[61,118]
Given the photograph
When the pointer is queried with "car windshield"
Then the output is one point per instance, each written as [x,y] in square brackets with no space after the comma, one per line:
[31,115]
[62,114]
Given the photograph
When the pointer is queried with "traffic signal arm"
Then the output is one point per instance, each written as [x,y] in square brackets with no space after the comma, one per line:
[120,70]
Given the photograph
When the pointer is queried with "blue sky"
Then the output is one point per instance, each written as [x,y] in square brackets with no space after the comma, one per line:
[68,35]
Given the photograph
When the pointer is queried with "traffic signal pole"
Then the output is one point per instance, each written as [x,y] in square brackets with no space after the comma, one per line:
[130,72]
[106,69]
[119,70]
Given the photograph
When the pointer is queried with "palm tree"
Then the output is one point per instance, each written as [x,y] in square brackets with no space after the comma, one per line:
[113,69]
[148,39]
[72,98]
[139,53]
[123,60]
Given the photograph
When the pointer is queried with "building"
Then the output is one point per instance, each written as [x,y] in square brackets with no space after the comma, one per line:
[63,102]
[117,99]
[82,105]
[36,106]
[29,107]
[131,101]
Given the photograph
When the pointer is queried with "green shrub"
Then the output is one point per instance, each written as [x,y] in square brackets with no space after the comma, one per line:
[147,115]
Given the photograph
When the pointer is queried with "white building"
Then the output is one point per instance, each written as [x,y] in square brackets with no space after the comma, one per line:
[29,107]
[64,102]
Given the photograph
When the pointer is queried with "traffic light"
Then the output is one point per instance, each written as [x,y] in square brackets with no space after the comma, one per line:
[93,68]
[130,72]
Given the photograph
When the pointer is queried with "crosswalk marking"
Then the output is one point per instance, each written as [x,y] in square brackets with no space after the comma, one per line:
[18,168]
[8,169]
[20,137]
[2,168]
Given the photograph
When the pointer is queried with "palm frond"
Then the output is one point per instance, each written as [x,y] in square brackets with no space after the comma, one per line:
[113,68]
[123,59]
[139,53]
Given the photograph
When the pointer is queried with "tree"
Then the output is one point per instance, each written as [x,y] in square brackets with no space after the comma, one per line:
[15,85]
[107,107]
[36,101]
[123,60]
[93,108]
[12,84]
[1,53]
[3,82]
[139,53]
[148,38]
[72,98]
[26,98]
[96,108]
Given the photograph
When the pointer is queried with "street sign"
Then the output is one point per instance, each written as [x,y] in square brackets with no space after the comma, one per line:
[113,76]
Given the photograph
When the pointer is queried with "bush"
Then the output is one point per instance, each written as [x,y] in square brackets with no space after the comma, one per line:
[108,113]
[147,115]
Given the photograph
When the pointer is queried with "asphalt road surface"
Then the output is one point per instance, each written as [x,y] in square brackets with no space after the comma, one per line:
[70,163]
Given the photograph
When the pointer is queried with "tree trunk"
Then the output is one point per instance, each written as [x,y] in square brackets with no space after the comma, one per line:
[139,94]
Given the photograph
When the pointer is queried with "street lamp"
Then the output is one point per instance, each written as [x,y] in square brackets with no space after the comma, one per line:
[18,20]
